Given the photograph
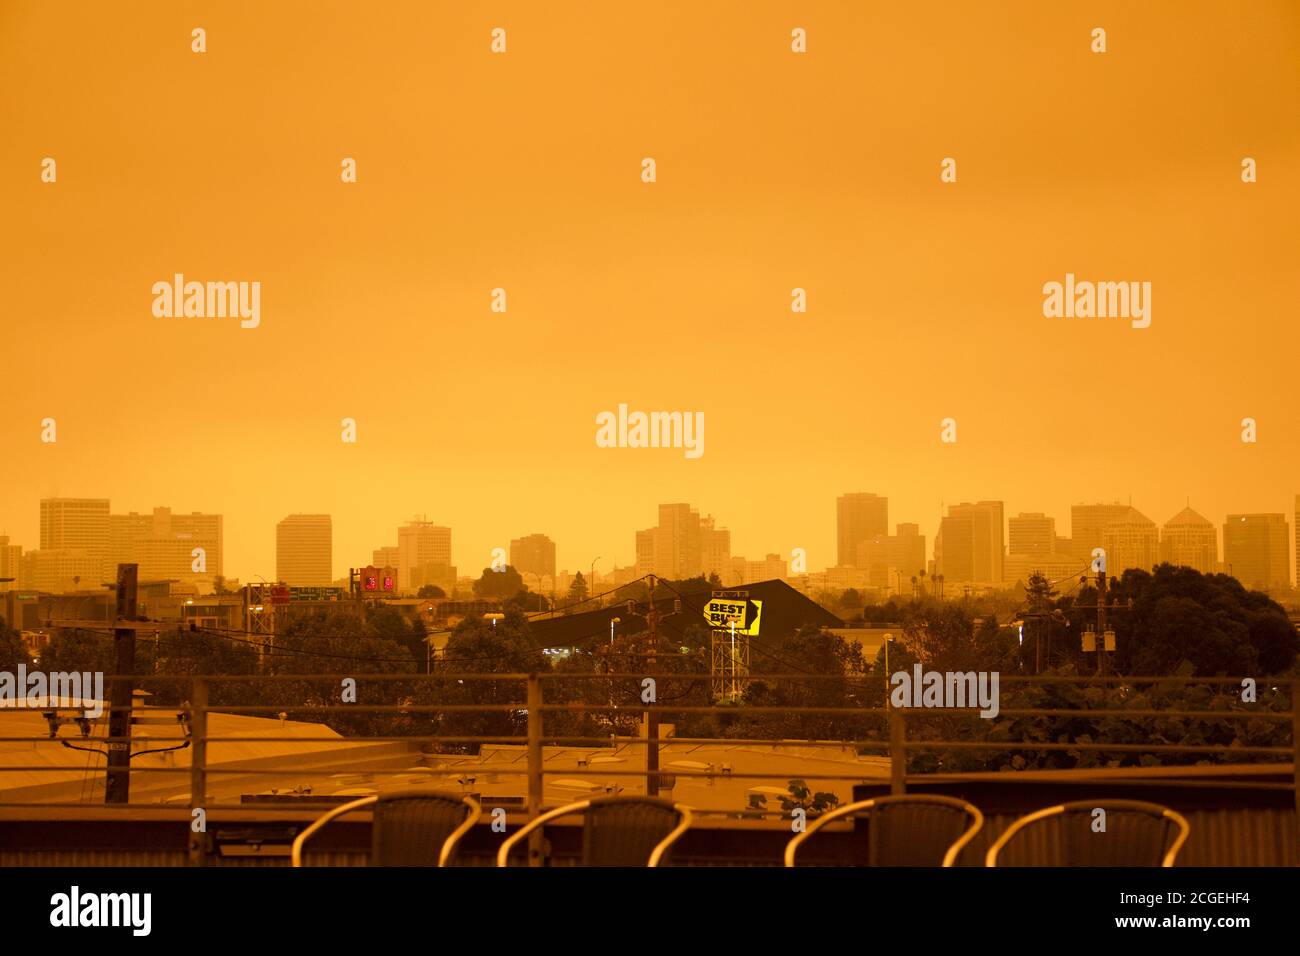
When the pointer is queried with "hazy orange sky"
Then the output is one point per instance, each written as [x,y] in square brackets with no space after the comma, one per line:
[522,171]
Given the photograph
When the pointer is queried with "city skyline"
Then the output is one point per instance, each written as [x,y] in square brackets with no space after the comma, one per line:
[428,546]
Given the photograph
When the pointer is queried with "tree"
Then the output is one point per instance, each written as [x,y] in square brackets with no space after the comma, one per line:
[497,585]
[431,591]
[12,650]
[1210,620]
[477,646]
[578,589]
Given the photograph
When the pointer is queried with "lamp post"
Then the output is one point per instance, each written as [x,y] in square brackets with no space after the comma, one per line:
[591,578]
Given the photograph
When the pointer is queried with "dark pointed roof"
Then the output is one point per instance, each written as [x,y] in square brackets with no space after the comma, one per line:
[785,610]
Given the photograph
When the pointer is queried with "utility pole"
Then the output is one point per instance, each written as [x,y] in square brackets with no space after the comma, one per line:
[1101,621]
[651,717]
[118,786]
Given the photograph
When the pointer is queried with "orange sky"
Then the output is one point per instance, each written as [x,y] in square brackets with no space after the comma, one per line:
[521,170]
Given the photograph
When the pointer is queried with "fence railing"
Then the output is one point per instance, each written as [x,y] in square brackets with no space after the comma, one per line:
[536,722]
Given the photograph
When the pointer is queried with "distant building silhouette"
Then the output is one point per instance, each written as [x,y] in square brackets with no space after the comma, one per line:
[424,556]
[683,545]
[969,546]
[891,560]
[304,550]
[1031,533]
[1088,526]
[1191,541]
[163,544]
[1256,549]
[859,517]
[533,554]
[1131,540]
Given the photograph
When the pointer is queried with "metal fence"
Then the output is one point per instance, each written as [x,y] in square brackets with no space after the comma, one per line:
[896,732]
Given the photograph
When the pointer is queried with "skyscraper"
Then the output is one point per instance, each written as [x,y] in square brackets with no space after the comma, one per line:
[1131,541]
[304,550]
[970,543]
[1031,533]
[533,554]
[859,517]
[1190,541]
[890,560]
[424,555]
[163,544]
[78,526]
[1256,549]
[10,562]
[1088,526]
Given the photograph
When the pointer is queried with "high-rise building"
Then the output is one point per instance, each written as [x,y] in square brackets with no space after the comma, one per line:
[676,547]
[969,547]
[739,571]
[533,554]
[715,548]
[386,557]
[1131,541]
[304,550]
[1296,579]
[59,570]
[1256,549]
[1190,541]
[74,523]
[892,560]
[78,525]
[859,517]
[424,551]
[163,545]
[1088,526]
[11,556]
[1032,533]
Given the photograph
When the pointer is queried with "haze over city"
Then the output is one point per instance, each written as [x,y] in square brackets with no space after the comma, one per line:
[376,295]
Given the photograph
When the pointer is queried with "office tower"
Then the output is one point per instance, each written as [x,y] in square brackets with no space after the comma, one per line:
[163,544]
[859,516]
[59,570]
[677,544]
[1088,526]
[424,555]
[1296,516]
[715,548]
[78,525]
[304,550]
[969,548]
[1190,541]
[1131,541]
[1256,549]
[1031,533]
[533,556]
[645,552]
[740,571]
[675,548]
[11,556]
[386,557]
[890,561]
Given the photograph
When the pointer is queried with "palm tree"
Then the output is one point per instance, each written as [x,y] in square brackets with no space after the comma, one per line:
[914,585]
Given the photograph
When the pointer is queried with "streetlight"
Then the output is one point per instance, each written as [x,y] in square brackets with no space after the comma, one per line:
[612,622]
[591,578]
[889,639]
